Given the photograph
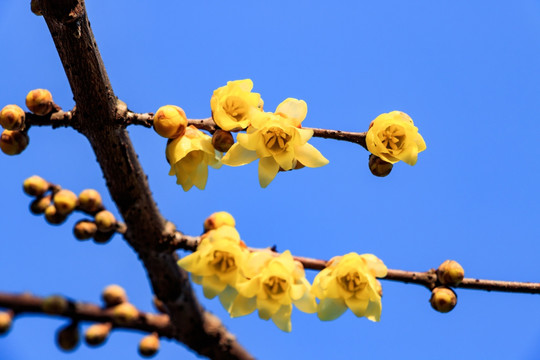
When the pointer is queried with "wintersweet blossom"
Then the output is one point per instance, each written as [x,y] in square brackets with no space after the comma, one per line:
[189,156]
[349,282]
[232,105]
[392,137]
[216,263]
[279,142]
[272,285]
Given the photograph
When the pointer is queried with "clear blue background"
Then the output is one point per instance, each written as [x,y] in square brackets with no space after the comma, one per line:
[466,72]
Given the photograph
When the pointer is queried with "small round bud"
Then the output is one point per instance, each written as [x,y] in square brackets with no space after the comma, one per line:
[217,220]
[84,229]
[125,314]
[68,337]
[54,304]
[149,345]
[13,142]
[97,334]
[378,166]
[90,201]
[103,237]
[170,121]
[450,273]
[222,140]
[443,299]
[35,186]
[6,319]
[65,201]
[114,295]
[39,101]
[105,221]
[39,205]
[53,216]
[12,117]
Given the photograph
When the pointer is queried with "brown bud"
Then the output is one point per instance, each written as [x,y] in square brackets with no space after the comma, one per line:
[149,345]
[222,140]
[101,237]
[105,221]
[54,304]
[39,101]
[53,216]
[114,295]
[97,334]
[12,117]
[35,186]
[217,220]
[125,314]
[34,7]
[13,142]
[170,121]
[443,299]
[65,201]
[378,166]
[90,201]
[68,337]
[6,319]
[450,273]
[39,205]
[84,229]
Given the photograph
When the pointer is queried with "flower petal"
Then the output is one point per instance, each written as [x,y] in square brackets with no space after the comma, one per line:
[306,303]
[243,306]
[357,306]
[267,307]
[238,155]
[227,296]
[373,312]
[294,109]
[285,158]
[212,286]
[282,318]
[309,156]
[331,309]
[268,169]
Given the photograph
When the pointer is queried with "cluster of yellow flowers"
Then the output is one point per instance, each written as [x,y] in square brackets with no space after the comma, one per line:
[246,280]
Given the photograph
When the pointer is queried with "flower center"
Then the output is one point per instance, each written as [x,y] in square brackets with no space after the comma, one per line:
[223,261]
[235,107]
[392,137]
[276,139]
[352,282]
[275,285]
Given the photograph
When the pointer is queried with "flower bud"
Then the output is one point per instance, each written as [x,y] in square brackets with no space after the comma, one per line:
[39,101]
[84,229]
[6,319]
[65,201]
[101,237]
[217,220]
[97,334]
[149,345]
[378,166]
[222,140]
[443,299]
[125,314]
[53,216]
[105,221]
[12,117]
[90,201]
[114,295]
[13,142]
[39,205]
[170,121]
[54,304]
[35,186]
[450,273]
[68,337]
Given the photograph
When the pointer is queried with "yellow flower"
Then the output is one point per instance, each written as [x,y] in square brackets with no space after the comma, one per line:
[279,142]
[349,282]
[189,156]
[392,137]
[216,263]
[272,284]
[232,105]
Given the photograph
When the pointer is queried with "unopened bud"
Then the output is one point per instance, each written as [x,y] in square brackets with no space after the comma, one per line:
[68,337]
[450,273]
[443,299]
[97,334]
[54,304]
[217,220]
[105,221]
[114,295]
[12,117]
[90,201]
[13,142]
[39,205]
[53,216]
[103,237]
[170,121]
[125,314]
[39,101]
[35,186]
[6,319]
[222,140]
[65,201]
[149,345]
[378,166]
[84,229]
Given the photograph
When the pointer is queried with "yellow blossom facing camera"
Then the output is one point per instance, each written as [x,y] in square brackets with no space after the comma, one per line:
[233,105]
[393,137]
[279,142]
[349,282]
[272,285]
[189,156]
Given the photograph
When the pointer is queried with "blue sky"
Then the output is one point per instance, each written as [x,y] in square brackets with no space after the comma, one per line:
[466,72]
